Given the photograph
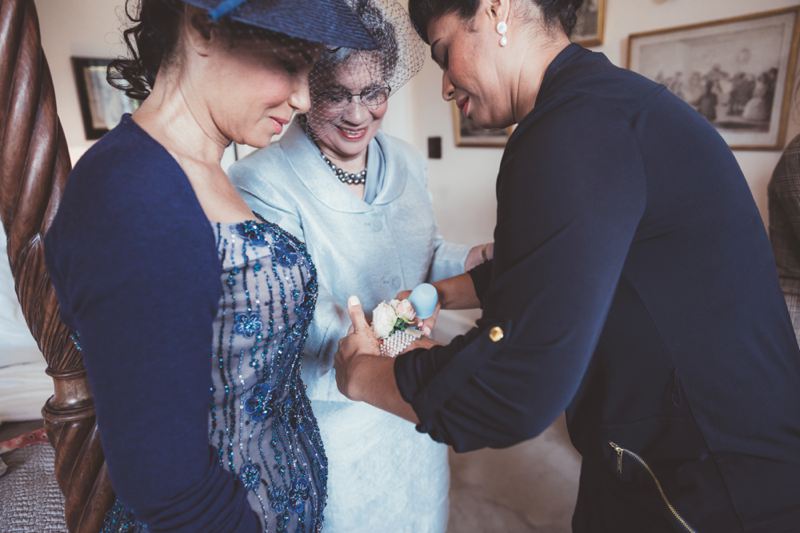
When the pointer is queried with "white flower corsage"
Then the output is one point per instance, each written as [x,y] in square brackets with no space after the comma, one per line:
[393,323]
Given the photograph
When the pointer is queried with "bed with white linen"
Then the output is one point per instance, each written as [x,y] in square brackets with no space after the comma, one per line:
[24,386]
[30,499]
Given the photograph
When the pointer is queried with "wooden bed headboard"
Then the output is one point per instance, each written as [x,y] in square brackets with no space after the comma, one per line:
[34,164]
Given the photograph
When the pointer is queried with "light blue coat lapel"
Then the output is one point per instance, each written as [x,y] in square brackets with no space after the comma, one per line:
[304,158]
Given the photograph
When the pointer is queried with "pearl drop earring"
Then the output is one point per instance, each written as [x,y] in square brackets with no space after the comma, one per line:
[502,28]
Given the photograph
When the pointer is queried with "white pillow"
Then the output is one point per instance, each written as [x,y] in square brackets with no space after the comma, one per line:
[23,390]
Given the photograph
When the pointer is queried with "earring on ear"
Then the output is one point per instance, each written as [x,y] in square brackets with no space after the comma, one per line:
[502,28]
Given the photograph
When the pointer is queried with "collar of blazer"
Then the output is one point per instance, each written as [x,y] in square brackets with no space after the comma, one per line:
[304,157]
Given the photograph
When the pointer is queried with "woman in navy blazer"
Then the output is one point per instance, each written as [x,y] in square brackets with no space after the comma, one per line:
[633,286]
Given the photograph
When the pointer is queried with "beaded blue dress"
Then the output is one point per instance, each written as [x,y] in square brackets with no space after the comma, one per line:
[260,419]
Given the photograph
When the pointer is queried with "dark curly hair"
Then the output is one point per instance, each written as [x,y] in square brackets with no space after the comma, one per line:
[150,41]
[153,35]
[562,12]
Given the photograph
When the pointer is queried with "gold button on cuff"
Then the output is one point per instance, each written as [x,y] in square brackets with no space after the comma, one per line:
[496,334]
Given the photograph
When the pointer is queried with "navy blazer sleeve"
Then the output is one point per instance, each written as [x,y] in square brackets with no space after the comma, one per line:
[138,278]
[481,276]
[571,191]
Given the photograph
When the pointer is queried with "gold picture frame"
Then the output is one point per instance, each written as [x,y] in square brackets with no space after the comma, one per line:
[590,28]
[741,72]
[466,134]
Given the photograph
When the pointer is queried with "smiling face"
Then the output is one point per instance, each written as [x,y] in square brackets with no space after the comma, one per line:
[474,67]
[252,89]
[342,124]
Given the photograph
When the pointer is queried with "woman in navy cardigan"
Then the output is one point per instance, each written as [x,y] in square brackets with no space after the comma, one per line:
[633,286]
[190,312]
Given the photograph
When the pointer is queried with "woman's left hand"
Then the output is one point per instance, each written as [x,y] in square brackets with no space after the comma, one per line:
[479,254]
[359,342]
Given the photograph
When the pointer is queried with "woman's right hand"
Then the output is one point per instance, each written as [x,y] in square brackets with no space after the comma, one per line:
[422,342]
[427,325]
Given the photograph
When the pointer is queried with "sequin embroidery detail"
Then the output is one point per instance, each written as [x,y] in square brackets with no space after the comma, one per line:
[260,419]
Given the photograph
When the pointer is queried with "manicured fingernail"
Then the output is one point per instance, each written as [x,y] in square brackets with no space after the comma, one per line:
[353,300]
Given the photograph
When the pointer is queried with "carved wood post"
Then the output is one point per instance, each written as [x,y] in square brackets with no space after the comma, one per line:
[34,164]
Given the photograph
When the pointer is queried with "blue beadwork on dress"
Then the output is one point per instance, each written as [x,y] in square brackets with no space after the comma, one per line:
[260,419]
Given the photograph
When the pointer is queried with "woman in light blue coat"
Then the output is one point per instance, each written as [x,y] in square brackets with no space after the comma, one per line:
[358,198]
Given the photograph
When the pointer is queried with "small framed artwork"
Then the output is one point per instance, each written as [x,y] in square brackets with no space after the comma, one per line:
[468,134]
[591,23]
[102,105]
[739,73]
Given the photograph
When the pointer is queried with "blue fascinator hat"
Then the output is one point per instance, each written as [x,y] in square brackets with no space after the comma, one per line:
[329,22]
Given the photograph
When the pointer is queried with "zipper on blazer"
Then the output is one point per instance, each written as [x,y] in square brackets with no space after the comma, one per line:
[620,454]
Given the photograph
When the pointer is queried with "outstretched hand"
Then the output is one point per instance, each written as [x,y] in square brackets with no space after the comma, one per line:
[359,342]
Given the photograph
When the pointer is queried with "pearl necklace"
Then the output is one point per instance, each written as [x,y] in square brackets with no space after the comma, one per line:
[348,178]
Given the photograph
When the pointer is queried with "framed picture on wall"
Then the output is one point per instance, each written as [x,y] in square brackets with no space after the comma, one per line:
[591,23]
[101,104]
[739,73]
[466,133]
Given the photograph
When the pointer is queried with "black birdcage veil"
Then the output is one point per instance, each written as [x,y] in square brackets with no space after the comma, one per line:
[344,79]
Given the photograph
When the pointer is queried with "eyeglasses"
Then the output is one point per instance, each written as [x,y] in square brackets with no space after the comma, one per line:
[372,97]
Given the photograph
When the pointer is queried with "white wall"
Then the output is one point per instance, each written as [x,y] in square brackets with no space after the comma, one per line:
[84,28]
[462,182]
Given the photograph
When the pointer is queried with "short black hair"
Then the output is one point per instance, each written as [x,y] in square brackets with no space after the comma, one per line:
[563,12]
